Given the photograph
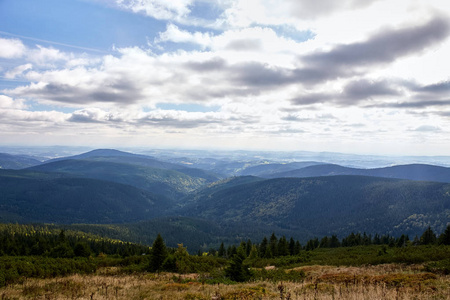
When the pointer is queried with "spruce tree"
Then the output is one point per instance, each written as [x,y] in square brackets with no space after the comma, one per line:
[237,270]
[444,238]
[158,254]
[428,237]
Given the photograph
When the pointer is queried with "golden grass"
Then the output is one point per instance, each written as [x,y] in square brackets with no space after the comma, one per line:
[322,282]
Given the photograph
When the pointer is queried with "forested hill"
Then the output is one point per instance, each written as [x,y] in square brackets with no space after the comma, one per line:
[167,183]
[8,161]
[412,172]
[327,205]
[56,198]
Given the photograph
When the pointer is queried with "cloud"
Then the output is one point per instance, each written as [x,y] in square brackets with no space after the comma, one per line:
[45,56]
[382,48]
[18,71]
[174,34]
[10,103]
[427,128]
[158,9]
[11,48]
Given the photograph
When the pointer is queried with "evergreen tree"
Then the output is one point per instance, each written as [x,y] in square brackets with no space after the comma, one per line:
[444,238]
[237,270]
[291,246]
[334,242]
[158,254]
[263,247]
[248,247]
[298,248]
[273,246]
[283,247]
[428,237]
[222,251]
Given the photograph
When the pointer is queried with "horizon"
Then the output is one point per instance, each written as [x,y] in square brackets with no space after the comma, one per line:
[363,79]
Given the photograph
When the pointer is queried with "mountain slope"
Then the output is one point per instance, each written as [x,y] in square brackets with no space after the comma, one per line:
[266,170]
[326,205]
[168,183]
[39,197]
[15,162]
[116,156]
[419,172]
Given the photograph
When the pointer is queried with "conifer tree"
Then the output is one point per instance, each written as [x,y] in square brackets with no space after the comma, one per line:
[237,270]
[444,238]
[158,254]
[428,237]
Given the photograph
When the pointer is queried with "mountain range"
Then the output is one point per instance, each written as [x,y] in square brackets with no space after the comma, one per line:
[145,195]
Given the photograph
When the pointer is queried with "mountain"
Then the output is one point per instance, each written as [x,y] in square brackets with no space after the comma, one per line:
[15,162]
[56,198]
[326,205]
[268,169]
[419,172]
[168,183]
[111,155]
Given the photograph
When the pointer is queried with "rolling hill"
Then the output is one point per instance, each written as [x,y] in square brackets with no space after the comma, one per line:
[326,205]
[166,182]
[15,162]
[419,172]
[56,198]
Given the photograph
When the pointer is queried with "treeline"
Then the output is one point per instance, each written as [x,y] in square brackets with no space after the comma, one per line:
[25,240]
[274,247]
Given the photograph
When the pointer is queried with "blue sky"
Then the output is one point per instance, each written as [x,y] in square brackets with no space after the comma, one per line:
[348,76]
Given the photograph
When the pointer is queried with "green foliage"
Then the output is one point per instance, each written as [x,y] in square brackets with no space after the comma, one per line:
[278,275]
[158,254]
[13,269]
[237,270]
[441,267]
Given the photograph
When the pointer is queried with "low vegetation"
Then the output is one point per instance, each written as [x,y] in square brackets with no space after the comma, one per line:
[42,263]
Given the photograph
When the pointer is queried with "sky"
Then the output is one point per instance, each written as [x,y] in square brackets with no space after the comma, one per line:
[366,77]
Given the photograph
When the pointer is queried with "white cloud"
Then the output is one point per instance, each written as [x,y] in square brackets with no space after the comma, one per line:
[158,9]
[45,56]
[18,71]
[10,103]
[11,48]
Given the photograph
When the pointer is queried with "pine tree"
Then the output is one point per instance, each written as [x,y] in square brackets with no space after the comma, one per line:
[158,254]
[444,238]
[237,270]
[222,250]
[428,237]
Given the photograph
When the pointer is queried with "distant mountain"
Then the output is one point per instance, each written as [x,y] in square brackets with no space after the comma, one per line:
[15,162]
[111,155]
[168,183]
[267,170]
[51,198]
[412,172]
[326,205]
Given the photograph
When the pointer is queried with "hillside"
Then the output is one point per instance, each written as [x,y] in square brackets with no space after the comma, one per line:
[419,172]
[327,205]
[51,198]
[15,162]
[267,170]
[115,156]
[168,183]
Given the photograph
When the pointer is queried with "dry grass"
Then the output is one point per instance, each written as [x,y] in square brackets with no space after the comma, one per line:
[322,282]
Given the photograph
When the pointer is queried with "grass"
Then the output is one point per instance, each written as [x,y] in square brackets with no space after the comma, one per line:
[387,281]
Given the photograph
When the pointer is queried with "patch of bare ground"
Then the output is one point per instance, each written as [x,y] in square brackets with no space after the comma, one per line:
[321,282]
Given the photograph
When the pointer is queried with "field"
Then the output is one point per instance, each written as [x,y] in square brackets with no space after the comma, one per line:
[388,281]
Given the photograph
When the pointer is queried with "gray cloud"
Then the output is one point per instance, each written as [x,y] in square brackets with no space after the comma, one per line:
[384,47]
[245,45]
[352,93]
[437,88]
[311,9]
[427,128]
[214,64]
[412,104]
